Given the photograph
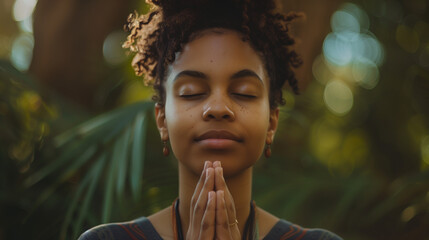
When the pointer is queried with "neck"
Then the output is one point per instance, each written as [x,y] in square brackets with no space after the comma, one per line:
[240,187]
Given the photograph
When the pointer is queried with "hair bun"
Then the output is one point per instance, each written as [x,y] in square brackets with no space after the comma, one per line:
[254,7]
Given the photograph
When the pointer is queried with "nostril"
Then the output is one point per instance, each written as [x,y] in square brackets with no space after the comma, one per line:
[218,113]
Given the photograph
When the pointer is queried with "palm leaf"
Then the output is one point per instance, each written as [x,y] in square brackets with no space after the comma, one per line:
[88,145]
[95,174]
[112,175]
[91,178]
[122,154]
[94,132]
[138,148]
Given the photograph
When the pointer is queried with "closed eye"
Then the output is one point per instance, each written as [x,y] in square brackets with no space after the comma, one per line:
[244,95]
[190,96]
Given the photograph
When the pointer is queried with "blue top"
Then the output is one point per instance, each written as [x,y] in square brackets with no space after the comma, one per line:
[142,228]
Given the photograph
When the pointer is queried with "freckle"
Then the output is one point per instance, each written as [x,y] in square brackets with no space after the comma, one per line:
[211,60]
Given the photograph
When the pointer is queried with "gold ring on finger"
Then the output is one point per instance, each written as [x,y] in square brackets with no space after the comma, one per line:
[235,222]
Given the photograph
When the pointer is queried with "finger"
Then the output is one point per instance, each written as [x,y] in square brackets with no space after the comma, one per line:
[197,193]
[222,225]
[220,184]
[200,183]
[216,164]
[207,229]
[201,203]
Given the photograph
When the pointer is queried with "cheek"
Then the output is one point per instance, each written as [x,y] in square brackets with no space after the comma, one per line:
[180,123]
[256,123]
[258,131]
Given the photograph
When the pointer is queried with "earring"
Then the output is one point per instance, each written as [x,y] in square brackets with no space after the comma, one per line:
[165,149]
[267,151]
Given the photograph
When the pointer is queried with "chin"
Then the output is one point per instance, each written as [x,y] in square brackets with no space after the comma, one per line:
[234,172]
[233,162]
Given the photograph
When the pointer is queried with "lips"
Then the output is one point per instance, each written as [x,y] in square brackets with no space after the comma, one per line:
[218,134]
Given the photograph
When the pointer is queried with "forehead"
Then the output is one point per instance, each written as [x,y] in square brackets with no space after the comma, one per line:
[216,52]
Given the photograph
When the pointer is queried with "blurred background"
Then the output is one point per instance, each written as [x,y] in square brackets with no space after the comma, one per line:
[79,147]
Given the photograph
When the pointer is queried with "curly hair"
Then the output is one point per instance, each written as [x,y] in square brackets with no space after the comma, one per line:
[171,24]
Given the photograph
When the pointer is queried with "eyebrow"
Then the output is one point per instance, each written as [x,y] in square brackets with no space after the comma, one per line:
[190,73]
[197,74]
[246,73]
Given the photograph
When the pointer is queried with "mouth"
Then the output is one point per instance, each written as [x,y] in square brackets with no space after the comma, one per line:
[218,140]
[218,135]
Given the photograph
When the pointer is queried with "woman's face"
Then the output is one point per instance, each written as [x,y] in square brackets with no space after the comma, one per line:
[217,103]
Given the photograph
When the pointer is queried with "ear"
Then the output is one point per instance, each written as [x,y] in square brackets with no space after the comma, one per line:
[272,127]
[161,122]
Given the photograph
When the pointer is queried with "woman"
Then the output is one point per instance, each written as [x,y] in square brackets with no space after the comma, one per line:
[218,68]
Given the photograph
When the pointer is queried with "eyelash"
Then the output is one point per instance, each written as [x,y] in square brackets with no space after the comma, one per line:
[244,95]
[187,96]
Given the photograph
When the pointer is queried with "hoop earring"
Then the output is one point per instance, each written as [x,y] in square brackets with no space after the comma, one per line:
[267,151]
[165,149]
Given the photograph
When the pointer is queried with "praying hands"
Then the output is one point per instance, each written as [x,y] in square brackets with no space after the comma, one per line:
[212,211]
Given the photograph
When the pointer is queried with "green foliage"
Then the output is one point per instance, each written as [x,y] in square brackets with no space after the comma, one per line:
[358,206]
[24,117]
[112,145]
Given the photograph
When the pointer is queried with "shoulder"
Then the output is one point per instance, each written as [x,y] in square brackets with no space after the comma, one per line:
[138,229]
[162,223]
[286,230]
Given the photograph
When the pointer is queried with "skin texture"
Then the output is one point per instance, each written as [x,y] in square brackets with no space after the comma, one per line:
[217,83]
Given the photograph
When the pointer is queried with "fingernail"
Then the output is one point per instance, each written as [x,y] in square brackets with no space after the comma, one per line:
[211,195]
[206,163]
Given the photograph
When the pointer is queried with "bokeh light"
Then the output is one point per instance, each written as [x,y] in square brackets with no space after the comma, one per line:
[23,9]
[365,73]
[370,48]
[22,47]
[345,24]
[360,15]
[408,213]
[321,71]
[338,97]
[351,56]
[338,50]
[112,51]
[22,51]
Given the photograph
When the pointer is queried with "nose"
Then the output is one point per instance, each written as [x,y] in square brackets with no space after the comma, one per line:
[217,108]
